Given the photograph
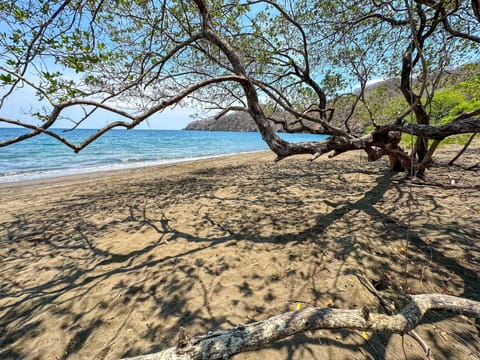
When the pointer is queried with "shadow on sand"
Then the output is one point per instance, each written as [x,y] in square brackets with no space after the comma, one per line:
[117,272]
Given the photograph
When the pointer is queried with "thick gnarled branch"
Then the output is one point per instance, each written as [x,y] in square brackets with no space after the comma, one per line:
[461,125]
[224,344]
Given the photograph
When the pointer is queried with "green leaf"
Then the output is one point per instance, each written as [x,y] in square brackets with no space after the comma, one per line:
[6,79]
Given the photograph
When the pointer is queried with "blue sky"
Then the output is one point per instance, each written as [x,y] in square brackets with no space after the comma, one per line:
[24,101]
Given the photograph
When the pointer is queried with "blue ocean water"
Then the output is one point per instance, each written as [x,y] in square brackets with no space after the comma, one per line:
[43,156]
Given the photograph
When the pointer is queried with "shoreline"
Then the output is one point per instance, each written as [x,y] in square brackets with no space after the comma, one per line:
[100,171]
[183,166]
[121,173]
[46,158]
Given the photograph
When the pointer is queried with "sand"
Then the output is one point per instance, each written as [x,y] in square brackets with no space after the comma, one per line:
[107,265]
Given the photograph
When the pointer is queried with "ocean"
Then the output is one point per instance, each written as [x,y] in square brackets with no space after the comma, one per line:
[44,157]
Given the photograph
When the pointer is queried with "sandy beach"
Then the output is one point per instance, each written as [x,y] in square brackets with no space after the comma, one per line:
[108,265]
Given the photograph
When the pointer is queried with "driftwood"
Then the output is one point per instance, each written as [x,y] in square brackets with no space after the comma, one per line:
[224,344]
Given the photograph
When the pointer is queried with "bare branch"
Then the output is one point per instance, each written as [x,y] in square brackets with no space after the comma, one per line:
[459,126]
[135,119]
[465,147]
[228,109]
[224,344]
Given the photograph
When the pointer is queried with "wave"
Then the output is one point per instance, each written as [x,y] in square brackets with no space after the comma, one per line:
[26,175]
[44,157]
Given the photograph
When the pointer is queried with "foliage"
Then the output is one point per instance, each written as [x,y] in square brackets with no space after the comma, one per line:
[312,60]
[448,103]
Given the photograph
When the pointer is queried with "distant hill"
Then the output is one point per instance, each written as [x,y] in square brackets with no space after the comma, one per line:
[238,121]
[384,98]
[242,121]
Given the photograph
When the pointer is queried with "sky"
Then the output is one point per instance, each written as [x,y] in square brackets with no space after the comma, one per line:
[24,101]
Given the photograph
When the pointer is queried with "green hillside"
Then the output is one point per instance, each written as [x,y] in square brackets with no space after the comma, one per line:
[456,92]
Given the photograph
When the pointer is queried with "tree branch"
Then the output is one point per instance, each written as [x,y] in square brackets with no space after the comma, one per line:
[467,144]
[134,119]
[224,344]
[458,126]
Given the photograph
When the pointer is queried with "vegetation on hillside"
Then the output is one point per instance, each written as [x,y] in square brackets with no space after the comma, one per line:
[458,92]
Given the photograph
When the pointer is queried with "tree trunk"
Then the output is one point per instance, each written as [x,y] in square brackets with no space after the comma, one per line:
[476,8]
[224,344]
[396,163]
[427,159]
[421,148]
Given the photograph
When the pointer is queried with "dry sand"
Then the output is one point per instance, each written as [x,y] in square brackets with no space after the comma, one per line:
[107,265]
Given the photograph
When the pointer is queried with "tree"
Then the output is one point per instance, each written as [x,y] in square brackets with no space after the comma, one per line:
[289,64]
[152,55]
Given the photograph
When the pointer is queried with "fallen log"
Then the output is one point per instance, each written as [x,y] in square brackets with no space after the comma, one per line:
[226,343]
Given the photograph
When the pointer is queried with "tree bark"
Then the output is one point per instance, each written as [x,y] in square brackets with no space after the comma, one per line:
[476,8]
[427,158]
[422,117]
[224,344]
